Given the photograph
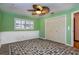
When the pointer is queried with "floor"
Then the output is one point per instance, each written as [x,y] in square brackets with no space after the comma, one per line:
[76,44]
[4,50]
[37,47]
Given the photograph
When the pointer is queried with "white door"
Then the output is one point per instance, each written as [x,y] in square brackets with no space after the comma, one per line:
[55,29]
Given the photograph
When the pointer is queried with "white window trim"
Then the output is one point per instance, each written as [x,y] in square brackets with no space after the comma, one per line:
[25,23]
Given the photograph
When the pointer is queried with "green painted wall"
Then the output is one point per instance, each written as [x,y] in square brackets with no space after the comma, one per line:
[0,19]
[7,21]
[68,21]
[42,28]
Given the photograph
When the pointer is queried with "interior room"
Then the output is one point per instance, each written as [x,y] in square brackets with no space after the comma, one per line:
[39,29]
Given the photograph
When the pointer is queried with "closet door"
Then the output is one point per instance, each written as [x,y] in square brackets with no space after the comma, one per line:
[55,29]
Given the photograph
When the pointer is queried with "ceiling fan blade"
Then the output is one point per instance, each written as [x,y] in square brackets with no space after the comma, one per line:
[31,10]
[37,7]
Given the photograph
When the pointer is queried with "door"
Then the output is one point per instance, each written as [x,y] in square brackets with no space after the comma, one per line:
[76,30]
[55,29]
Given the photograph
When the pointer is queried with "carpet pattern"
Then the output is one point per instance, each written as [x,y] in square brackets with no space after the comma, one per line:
[40,47]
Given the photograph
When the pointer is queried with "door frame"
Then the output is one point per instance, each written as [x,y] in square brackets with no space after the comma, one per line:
[65,25]
[72,27]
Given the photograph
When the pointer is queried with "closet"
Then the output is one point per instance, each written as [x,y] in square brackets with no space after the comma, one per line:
[55,29]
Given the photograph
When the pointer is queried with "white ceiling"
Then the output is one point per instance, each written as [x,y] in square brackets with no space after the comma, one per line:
[21,8]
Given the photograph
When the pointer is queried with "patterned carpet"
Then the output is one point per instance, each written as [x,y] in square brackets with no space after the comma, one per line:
[40,47]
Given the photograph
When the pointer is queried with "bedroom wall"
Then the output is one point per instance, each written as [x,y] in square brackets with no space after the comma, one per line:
[8,21]
[0,26]
[68,22]
[7,28]
[0,19]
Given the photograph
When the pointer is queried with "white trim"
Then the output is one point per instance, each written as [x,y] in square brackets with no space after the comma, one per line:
[69,45]
[65,30]
[14,36]
[0,40]
[25,20]
[42,38]
[65,25]
[72,27]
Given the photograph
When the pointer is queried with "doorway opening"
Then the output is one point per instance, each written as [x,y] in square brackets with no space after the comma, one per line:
[76,29]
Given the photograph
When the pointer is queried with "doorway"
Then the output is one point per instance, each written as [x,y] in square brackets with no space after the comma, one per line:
[76,30]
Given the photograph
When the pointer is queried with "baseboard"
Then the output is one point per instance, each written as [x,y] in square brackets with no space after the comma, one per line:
[69,45]
[51,40]
[42,38]
[0,45]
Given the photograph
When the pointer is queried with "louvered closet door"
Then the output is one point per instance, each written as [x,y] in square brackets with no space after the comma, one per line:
[55,29]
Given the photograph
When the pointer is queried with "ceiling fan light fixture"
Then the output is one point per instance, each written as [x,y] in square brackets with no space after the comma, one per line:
[36,13]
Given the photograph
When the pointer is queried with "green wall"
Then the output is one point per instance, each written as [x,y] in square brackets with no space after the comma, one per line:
[68,22]
[7,21]
[0,19]
[42,28]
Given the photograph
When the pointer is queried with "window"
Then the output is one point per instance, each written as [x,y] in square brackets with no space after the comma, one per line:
[22,24]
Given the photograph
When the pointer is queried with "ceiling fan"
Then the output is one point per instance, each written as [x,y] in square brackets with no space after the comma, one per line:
[39,10]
